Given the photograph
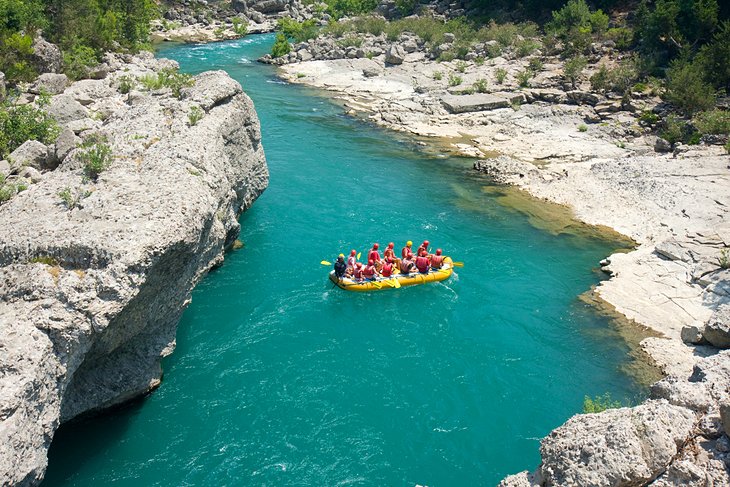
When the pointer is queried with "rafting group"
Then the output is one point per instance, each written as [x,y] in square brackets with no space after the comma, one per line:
[389,264]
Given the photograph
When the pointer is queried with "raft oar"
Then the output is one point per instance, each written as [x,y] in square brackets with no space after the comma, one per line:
[377,284]
[457,264]
[324,262]
[358,255]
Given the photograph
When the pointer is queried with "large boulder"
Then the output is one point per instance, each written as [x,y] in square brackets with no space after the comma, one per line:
[65,143]
[717,329]
[395,55]
[46,56]
[268,6]
[618,447]
[51,83]
[64,108]
[477,102]
[31,153]
[239,6]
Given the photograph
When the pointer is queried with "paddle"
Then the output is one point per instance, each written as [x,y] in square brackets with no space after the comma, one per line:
[396,283]
[358,255]
[324,262]
[377,284]
[457,264]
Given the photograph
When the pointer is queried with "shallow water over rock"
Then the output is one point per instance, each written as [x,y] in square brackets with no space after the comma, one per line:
[278,379]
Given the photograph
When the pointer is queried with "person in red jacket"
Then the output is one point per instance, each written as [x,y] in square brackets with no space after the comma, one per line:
[358,272]
[437,260]
[369,272]
[424,246]
[387,269]
[422,262]
[406,250]
[389,254]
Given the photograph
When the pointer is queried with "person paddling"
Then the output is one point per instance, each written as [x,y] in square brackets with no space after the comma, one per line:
[422,262]
[437,260]
[357,273]
[424,246]
[340,267]
[406,264]
[406,250]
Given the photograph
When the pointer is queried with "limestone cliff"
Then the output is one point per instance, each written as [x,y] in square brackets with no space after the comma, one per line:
[90,296]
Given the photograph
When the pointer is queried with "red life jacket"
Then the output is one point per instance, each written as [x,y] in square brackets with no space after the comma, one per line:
[421,248]
[389,255]
[357,273]
[422,264]
[369,271]
[437,261]
[374,255]
[404,252]
[387,270]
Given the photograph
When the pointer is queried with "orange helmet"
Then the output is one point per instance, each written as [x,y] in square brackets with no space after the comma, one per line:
[375,246]
[352,252]
[438,251]
[390,245]
[426,243]
[359,264]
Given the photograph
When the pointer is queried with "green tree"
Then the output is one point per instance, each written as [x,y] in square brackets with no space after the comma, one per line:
[281,46]
[687,89]
[577,25]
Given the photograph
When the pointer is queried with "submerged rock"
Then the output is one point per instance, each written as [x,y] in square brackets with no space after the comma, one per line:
[91,291]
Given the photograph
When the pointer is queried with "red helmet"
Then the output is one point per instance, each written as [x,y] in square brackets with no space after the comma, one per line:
[409,255]
[359,264]
[370,262]
[390,245]
[375,246]
[352,252]
[438,251]
[423,253]
[425,243]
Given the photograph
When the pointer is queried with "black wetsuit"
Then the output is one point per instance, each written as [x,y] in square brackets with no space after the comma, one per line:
[340,268]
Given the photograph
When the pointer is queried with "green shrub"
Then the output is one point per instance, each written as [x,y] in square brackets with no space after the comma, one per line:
[526,47]
[406,7]
[15,58]
[96,157]
[370,24]
[686,88]
[167,78]
[281,46]
[71,200]
[648,118]
[341,8]
[479,60]
[674,129]
[573,68]
[493,50]
[19,123]
[535,65]
[461,66]
[350,41]
[239,27]
[438,75]
[622,37]
[599,404]
[195,115]
[298,31]
[78,60]
[724,259]
[126,83]
[713,122]
[6,192]
[454,80]
[619,79]
[500,74]
[582,128]
[576,25]
[480,85]
[524,77]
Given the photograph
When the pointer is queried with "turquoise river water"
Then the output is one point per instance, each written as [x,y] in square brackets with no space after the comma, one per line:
[278,379]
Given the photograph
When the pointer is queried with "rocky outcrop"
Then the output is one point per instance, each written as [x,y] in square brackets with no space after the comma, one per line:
[717,329]
[46,56]
[92,285]
[676,438]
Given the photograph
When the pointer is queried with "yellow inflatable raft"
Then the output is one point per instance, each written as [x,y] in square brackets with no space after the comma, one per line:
[389,282]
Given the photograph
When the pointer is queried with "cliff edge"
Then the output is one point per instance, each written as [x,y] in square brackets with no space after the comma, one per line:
[95,272]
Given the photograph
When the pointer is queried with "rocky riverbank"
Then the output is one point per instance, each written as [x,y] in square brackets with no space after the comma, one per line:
[97,263]
[209,21]
[596,153]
